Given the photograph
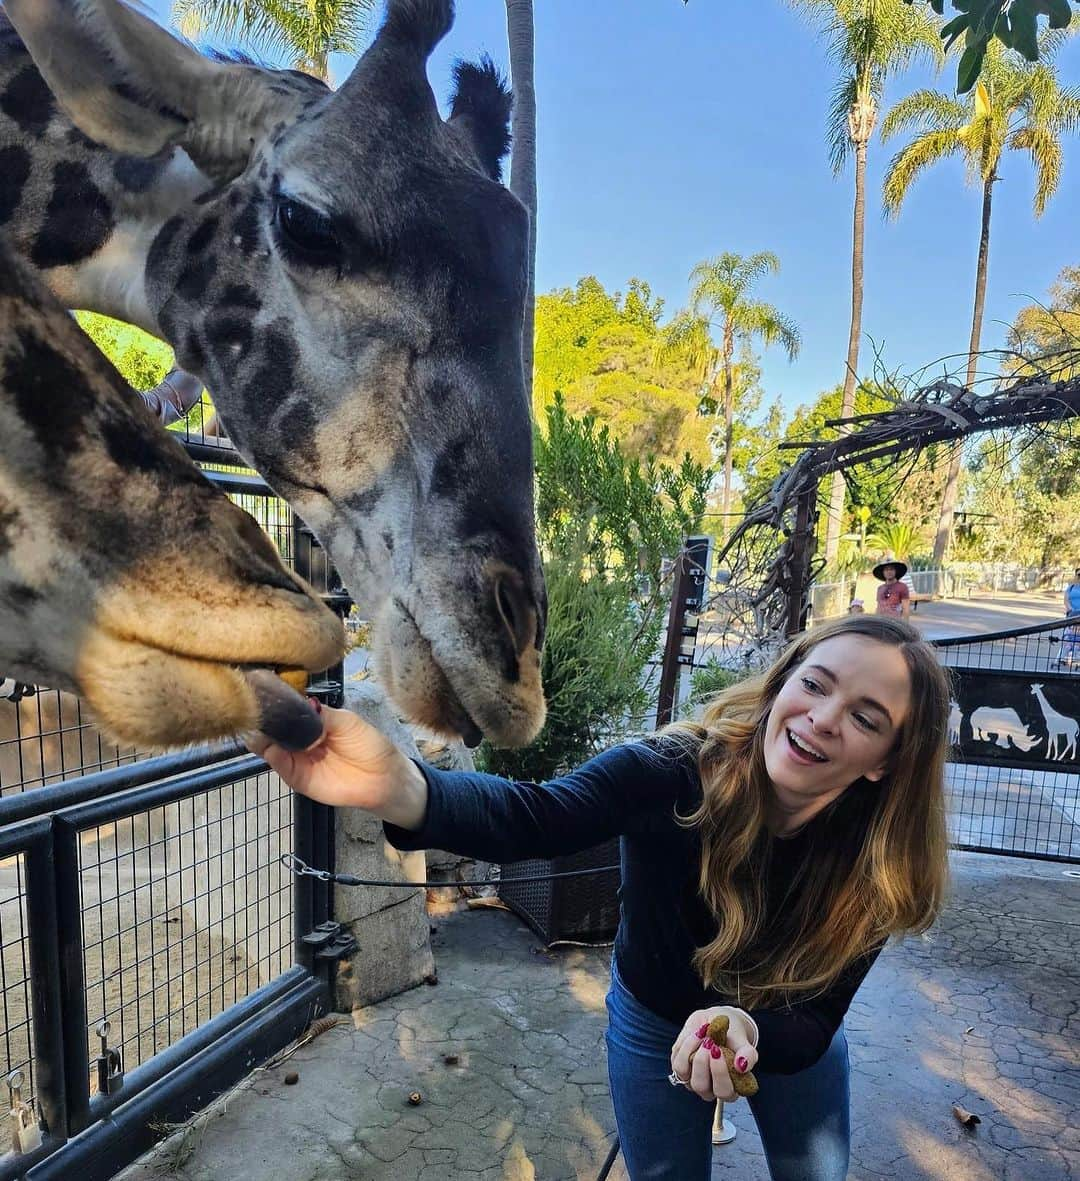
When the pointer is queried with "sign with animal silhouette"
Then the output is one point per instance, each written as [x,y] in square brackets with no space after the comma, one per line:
[1012,720]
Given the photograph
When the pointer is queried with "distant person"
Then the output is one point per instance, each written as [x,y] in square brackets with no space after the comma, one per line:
[1069,653]
[856,607]
[893,596]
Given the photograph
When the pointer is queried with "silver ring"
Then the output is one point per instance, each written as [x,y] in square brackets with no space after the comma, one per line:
[675,1081]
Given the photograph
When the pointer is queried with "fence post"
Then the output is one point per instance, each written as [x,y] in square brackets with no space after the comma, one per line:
[688,594]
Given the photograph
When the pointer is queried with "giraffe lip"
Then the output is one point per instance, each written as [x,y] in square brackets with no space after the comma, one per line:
[456,715]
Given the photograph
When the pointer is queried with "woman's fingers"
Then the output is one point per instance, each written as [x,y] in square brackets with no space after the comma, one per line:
[745,1056]
[686,1043]
[721,1079]
[701,1073]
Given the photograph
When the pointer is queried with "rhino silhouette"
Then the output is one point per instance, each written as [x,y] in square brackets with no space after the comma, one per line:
[1003,727]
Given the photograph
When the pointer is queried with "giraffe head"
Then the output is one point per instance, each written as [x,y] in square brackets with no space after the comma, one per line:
[125,576]
[347,274]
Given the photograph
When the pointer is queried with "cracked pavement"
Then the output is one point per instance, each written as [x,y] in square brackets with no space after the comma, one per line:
[982,1012]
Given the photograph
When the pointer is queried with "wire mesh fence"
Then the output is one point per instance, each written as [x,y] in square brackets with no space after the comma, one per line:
[186,909]
[15,984]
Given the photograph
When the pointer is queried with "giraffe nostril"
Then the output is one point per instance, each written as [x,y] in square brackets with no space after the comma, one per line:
[516,609]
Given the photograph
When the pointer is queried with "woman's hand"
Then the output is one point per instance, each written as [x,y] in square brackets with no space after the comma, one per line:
[700,1065]
[352,765]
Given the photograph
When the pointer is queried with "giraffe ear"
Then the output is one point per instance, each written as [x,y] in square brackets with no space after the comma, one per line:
[131,86]
[481,107]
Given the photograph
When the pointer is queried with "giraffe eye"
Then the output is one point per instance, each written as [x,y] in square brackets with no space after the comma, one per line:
[307,235]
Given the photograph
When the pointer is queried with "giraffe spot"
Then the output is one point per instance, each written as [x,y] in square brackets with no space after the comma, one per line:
[264,170]
[52,397]
[28,101]
[364,502]
[136,173]
[160,246]
[246,227]
[78,219]
[229,337]
[446,476]
[273,381]
[130,445]
[239,295]
[203,236]
[9,524]
[23,597]
[438,392]
[388,541]
[14,172]
[195,279]
[298,430]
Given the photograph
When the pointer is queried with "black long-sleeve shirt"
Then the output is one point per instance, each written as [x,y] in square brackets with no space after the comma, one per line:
[633,791]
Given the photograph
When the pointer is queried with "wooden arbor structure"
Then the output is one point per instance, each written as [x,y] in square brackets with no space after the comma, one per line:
[769,557]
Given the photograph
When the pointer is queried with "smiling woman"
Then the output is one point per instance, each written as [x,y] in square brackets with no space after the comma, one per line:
[768,853]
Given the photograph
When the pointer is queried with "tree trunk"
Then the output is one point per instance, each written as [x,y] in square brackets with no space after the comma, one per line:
[835,518]
[943,539]
[729,421]
[519,35]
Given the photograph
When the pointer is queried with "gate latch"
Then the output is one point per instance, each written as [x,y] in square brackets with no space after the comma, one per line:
[331,941]
[25,1129]
[110,1071]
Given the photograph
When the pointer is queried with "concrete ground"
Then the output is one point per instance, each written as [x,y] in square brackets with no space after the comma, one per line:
[507,1055]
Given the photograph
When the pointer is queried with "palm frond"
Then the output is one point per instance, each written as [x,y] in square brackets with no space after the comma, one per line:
[910,162]
[929,110]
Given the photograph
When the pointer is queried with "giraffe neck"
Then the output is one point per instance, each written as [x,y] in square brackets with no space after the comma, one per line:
[83,215]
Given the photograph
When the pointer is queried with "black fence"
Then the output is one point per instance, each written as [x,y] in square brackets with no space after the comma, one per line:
[1014,780]
[152,946]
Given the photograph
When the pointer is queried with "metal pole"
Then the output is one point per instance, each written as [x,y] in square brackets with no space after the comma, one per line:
[686,600]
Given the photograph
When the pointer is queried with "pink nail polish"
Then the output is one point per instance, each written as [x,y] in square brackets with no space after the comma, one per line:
[715,1051]
[315,704]
[707,1044]
[703,1030]
[741,1064]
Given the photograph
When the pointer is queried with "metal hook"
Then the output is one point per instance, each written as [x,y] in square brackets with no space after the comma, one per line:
[301,868]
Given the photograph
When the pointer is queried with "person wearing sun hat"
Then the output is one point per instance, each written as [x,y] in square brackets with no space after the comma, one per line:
[893,596]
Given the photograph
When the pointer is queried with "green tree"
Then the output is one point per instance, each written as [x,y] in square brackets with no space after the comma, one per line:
[304,32]
[1014,106]
[868,40]
[1015,24]
[141,359]
[598,350]
[1048,335]
[721,304]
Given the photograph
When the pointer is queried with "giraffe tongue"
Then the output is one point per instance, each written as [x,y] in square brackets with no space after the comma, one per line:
[284,715]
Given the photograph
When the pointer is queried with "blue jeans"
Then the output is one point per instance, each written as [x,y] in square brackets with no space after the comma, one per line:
[666,1132]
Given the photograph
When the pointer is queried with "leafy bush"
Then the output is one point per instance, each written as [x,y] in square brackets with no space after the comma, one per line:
[605,523]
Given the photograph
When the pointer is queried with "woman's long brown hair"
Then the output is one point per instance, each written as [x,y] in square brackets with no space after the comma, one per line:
[876,865]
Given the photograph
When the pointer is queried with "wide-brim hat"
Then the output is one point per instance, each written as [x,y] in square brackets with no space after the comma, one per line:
[879,570]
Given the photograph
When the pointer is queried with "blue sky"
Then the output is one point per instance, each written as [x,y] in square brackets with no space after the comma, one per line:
[669,133]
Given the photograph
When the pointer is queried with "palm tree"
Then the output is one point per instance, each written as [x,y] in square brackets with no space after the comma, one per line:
[519,36]
[1014,106]
[720,301]
[868,40]
[305,32]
